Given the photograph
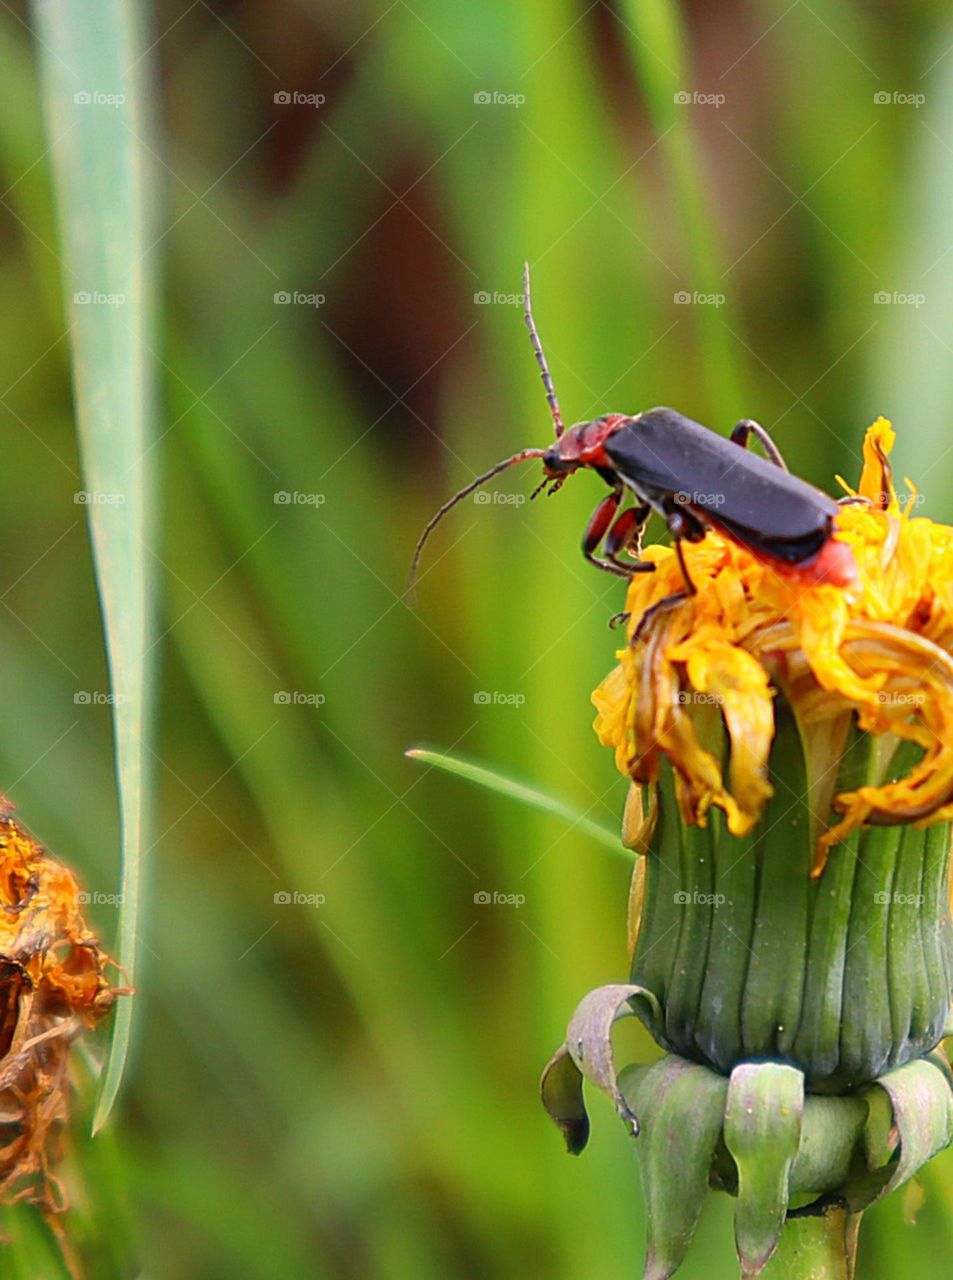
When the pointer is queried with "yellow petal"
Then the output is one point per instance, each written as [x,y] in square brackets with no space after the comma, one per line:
[878,650]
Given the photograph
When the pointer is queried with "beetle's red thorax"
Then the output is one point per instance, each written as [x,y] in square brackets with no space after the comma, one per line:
[584,442]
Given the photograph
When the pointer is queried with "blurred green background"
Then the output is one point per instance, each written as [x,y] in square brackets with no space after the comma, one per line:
[349,1089]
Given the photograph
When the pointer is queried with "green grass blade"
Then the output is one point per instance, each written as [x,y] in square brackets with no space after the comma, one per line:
[523,794]
[92,97]
[657,44]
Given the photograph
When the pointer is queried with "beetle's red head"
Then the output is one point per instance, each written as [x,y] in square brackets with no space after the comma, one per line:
[580,446]
[566,454]
[559,460]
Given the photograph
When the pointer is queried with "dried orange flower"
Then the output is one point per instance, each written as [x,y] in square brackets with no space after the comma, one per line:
[53,984]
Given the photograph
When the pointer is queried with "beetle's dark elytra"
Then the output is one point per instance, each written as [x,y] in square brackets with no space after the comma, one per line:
[662,453]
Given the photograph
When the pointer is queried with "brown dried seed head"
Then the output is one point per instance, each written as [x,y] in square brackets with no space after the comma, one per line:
[53,984]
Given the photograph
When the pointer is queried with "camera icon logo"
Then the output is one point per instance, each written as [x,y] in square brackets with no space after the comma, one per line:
[282,698]
[883,298]
[881,99]
[282,97]
[482,698]
[682,99]
[283,498]
[282,297]
[282,897]
[681,898]
[682,298]
[481,298]
[882,899]
[82,698]
[83,98]
[481,898]
[481,98]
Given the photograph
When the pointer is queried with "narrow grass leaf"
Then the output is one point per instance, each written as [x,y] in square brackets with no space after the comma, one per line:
[92,88]
[523,793]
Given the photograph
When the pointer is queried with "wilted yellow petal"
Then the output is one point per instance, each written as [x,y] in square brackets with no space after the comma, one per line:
[738,684]
[876,482]
[878,648]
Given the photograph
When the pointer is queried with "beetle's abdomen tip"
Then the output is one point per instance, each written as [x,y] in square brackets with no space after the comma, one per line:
[834,564]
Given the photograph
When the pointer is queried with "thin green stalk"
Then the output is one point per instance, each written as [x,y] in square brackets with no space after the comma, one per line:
[93,80]
[657,44]
[821,1247]
[523,794]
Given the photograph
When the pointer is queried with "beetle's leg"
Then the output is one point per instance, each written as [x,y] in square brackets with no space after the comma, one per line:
[596,530]
[682,526]
[690,588]
[854,500]
[667,602]
[746,428]
[626,535]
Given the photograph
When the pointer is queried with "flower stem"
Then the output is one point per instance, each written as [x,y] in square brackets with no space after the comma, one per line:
[819,1247]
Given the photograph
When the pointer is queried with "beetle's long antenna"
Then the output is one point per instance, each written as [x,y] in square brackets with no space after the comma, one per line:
[458,497]
[544,373]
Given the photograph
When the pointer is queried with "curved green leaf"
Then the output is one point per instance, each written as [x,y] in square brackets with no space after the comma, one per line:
[523,793]
[95,117]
